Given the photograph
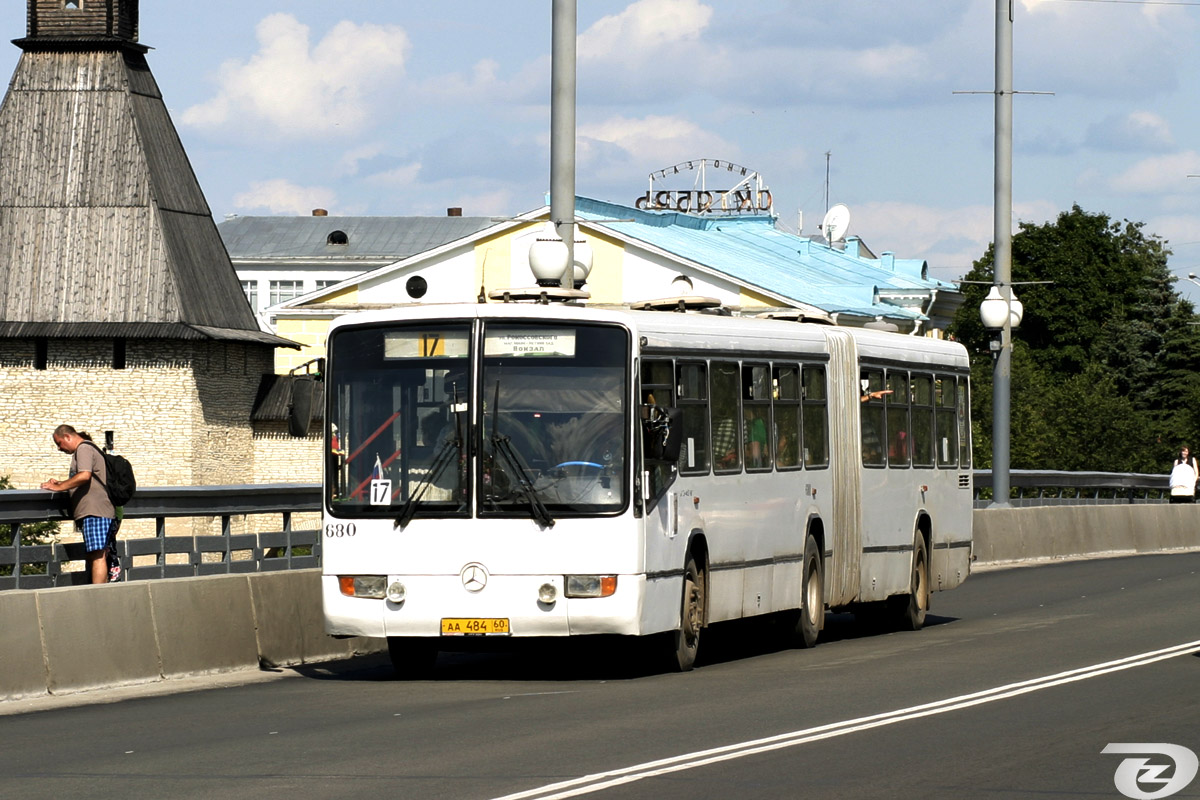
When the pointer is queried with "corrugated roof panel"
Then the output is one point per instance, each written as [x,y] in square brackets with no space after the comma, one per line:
[753,251]
[392,238]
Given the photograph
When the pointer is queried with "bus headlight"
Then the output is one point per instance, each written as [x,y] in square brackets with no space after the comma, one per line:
[591,585]
[369,586]
[547,593]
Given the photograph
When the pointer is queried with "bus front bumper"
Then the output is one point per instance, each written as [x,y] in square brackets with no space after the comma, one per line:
[507,605]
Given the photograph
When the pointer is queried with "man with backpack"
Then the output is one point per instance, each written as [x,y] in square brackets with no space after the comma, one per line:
[91,507]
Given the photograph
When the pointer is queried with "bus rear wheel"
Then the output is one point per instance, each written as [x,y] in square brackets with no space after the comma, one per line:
[909,610]
[691,618]
[412,657]
[812,612]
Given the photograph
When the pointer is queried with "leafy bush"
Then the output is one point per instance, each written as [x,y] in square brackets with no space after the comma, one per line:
[31,534]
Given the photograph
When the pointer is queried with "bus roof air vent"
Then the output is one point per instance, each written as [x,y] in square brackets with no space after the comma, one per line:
[814,316]
[682,303]
[545,295]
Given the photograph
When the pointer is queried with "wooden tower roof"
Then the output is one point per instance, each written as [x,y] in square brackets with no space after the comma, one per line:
[104,231]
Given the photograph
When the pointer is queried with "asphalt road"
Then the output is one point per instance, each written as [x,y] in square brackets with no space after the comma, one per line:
[1019,681]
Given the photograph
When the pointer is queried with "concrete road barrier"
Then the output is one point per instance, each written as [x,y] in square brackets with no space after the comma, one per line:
[83,637]
[1018,535]
[77,638]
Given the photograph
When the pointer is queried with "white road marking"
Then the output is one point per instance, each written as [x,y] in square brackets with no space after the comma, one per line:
[588,784]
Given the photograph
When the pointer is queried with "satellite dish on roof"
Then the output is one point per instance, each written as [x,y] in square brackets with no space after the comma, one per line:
[836,223]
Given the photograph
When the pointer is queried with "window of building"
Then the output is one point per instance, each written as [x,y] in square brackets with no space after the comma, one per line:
[41,353]
[118,354]
[693,405]
[250,289]
[416,286]
[325,284]
[337,237]
[282,291]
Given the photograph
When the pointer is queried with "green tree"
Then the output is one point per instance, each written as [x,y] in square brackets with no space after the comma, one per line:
[31,533]
[1104,371]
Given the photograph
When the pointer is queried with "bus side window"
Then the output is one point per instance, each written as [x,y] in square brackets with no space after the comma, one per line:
[899,434]
[658,388]
[872,417]
[786,391]
[692,389]
[816,420]
[922,421]
[962,410]
[756,416]
[946,437]
[726,427]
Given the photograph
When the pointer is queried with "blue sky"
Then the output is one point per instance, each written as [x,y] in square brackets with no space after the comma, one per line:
[386,107]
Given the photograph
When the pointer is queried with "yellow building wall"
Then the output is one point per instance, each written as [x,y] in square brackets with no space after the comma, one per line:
[307,331]
[749,299]
[342,296]
[608,263]
[493,262]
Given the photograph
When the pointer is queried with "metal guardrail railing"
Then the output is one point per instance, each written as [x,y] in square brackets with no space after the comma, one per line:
[1052,487]
[168,553]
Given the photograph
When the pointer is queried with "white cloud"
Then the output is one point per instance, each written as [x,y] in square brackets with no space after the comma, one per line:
[950,239]
[281,196]
[1137,130]
[654,142]
[404,175]
[643,29]
[1161,174]
[302,90]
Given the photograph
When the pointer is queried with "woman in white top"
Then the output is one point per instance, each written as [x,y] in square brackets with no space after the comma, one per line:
[1183,477]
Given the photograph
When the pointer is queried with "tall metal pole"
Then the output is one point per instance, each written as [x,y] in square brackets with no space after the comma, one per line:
[1002,252]
[562,130]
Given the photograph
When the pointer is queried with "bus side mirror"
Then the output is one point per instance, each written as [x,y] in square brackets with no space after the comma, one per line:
[662,433]
[300,409]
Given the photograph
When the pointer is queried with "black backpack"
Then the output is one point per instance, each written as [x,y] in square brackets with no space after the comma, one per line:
[121,483]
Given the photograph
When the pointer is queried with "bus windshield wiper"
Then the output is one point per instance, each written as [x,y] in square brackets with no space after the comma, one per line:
[504,447]
[445,454]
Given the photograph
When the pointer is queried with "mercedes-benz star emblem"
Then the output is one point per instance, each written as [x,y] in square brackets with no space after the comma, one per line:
[474,577]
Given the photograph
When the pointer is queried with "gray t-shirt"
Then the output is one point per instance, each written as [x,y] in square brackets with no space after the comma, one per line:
[91,499]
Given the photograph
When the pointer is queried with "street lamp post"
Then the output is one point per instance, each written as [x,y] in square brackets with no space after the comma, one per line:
[1002,254]
[562,131]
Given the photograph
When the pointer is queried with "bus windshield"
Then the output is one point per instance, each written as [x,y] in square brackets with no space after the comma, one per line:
[554,419]
[416,430]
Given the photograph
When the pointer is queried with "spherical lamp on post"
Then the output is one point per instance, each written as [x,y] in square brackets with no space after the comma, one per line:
[1000,312]
[548,258]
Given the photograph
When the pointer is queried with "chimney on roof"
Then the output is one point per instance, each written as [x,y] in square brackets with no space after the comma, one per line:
[453,212]
[320,212]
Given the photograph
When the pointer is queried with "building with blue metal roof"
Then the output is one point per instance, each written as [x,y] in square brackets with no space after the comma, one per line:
[743,262]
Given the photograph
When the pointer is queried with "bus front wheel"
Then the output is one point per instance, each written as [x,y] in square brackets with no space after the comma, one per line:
[691,618]
[412,657]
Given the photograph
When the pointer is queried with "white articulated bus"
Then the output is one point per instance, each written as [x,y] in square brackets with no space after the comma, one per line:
[529,470]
